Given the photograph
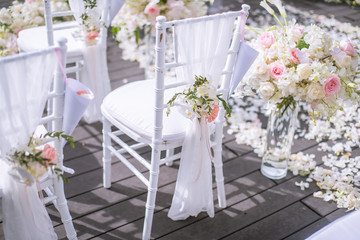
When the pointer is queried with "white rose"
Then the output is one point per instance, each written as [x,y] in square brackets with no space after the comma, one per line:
[341,58]
[261,68]
[5,17]
[304,71]
[315,91]
[266,89]
[38,20]
[295,33]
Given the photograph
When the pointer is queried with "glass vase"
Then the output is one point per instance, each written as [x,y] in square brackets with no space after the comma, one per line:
[280,132]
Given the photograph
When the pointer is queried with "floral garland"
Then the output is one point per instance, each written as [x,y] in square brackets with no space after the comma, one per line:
[22,15]
[38,157]
[136,19]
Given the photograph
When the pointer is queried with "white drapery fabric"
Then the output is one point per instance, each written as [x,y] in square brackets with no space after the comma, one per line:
[94,74]
[24,88]
[203,47]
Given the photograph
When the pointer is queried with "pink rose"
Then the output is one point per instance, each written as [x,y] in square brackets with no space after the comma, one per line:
[347,47]
[213,114]
[152,9]
[29,1]
[297,56]
[266,39]
[294,52]
[92,35]
[49,153]
[340,57]
[276,69]
[332,85]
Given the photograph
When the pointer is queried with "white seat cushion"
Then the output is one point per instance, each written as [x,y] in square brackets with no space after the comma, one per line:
[33,39]
[132,105]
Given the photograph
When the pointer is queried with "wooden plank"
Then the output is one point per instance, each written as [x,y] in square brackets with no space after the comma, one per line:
[243,213]
[278,225]
[240,189]
[317,225]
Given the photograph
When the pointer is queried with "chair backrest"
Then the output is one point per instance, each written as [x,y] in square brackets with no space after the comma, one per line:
[49,16]
[232,21]
[18,122]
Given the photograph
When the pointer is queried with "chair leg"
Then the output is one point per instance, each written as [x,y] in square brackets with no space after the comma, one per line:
[169,153]
[106,154]
[151,196]
[63,209]
[218,165]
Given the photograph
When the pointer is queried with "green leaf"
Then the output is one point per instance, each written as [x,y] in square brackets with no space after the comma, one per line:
[302,44]
[137,35]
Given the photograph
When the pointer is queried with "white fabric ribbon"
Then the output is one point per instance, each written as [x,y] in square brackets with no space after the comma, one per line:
[94,74]
[194,194]
[203,46]
[24,87]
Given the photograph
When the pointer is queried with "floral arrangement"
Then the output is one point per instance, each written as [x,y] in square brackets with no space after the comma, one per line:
[136,20]
[22,15]
[91,21]
[200,99]
[298,63]
[349,2]
[39,156]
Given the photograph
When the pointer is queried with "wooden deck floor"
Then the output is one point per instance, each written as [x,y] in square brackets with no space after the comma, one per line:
[258,208]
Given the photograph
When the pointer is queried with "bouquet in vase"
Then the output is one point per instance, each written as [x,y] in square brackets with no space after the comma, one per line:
[302,63]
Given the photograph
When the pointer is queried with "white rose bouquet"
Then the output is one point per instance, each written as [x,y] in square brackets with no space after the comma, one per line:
[303,63]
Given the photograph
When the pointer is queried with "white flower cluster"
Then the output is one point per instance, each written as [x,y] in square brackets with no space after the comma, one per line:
[20,16]
[349,2]
[304,63]
[200,99]
[301,164]
[341,182]
[136,19]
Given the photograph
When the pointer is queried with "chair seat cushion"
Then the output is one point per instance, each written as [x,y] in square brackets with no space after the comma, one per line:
[132,105]
[33,39]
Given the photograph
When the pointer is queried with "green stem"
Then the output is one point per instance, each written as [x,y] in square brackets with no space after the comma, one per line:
[279,21]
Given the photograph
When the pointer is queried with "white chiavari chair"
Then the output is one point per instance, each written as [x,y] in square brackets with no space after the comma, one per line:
[137,110]
[50,183]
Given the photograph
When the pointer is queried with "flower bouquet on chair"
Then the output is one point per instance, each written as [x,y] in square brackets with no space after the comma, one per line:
[298,63]
[193,191]
[37,158]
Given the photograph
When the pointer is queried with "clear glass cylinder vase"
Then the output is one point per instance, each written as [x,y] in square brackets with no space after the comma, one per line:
[280,133]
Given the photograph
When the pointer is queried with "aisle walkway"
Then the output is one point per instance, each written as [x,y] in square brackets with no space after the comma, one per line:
[258,208]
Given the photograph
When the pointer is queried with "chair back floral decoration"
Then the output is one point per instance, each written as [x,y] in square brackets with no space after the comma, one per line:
[135,23]
[89,19]
[37,158]
[22,15]
[199,100]
[303,63]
